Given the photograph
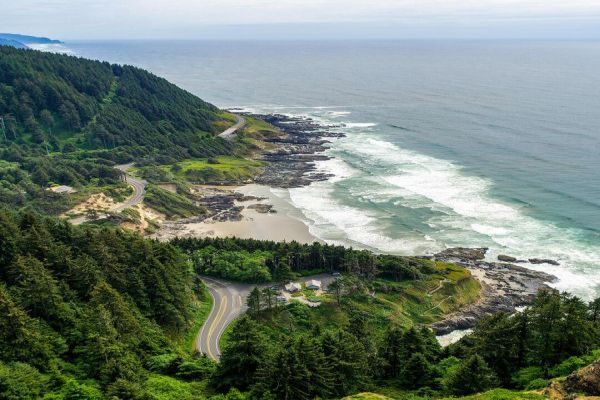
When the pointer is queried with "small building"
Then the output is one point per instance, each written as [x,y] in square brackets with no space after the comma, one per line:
[313,284]
[293,287]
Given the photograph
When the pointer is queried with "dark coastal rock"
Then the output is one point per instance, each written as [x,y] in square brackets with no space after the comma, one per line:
[504,288]
[506,258]
[262,208]
[586,380]
[462,253]
[543,261]
[292,163]
[581,384]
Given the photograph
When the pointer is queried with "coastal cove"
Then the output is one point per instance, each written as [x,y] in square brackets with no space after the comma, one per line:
[261,212]
[424,165]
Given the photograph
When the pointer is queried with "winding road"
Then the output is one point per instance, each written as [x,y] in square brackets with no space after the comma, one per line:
[139,185]
[228,133]
[229,302]
[139,189]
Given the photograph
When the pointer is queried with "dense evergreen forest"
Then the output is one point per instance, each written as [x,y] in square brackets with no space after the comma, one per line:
[256,261]
[87,311]
[293,353]
[99,313]
[67,120]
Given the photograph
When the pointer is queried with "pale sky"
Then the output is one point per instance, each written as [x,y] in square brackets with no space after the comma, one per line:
[195,19]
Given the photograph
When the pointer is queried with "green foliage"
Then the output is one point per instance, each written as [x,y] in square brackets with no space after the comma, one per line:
[173,205]
[524,376]
[262,261]
[535,343]
[242,357]
[166,388]
[472,376]
[504,394]
[98,303]
[69,120]
[238,265]
[20,381]
[216,170]
[74,390]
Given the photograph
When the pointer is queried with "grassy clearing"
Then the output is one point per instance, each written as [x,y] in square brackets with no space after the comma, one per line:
[496,394]
[403,304]
[226,119]
[219,169]
[259,129]
[366,396]
[172,205]
[503,394]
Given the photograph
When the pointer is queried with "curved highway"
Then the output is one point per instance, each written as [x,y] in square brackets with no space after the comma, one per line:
[139,189]
[228,133]
[229,302]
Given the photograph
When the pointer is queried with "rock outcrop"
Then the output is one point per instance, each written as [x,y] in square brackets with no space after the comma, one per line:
[578,385]
[505,287]
[462,253]
[543,261]
[505,258]
[292,164]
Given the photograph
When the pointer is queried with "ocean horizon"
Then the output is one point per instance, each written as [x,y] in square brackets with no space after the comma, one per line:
[448,143]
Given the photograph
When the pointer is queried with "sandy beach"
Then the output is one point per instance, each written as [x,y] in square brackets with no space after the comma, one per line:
[280,225]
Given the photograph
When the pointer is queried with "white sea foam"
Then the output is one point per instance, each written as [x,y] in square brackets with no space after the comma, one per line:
[471,213]
[351,209]
[352,125]
[334,222]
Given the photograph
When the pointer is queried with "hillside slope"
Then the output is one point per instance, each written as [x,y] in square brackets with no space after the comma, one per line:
[68,121]
[84,311]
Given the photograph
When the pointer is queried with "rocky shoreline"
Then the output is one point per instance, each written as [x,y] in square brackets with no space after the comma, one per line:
[303,142]
[505,287]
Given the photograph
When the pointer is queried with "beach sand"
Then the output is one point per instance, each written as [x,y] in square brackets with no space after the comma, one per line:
[284,225]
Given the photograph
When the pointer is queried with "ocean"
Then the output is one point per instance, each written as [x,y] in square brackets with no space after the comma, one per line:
[449,143]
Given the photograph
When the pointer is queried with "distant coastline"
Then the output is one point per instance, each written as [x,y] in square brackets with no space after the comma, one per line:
[33,42]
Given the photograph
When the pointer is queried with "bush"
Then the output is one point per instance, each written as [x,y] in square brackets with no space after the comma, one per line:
[74,390]
[536,384]
[566,367]
[196,369]
[20,381]
[166,364]
[525,376]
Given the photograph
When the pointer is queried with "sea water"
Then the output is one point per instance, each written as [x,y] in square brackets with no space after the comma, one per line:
[448,143]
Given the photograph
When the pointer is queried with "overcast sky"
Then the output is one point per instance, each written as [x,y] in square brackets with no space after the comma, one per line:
[195,19]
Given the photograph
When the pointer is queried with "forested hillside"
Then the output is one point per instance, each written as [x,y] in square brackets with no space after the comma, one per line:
[66,120]
[299,352]
[86,311]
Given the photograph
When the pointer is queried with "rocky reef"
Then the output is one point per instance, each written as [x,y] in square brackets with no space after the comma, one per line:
[505,287]
[292,163]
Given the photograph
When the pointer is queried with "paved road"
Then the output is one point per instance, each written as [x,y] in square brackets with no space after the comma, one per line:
[228,133]
[139,189]
[229,302]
